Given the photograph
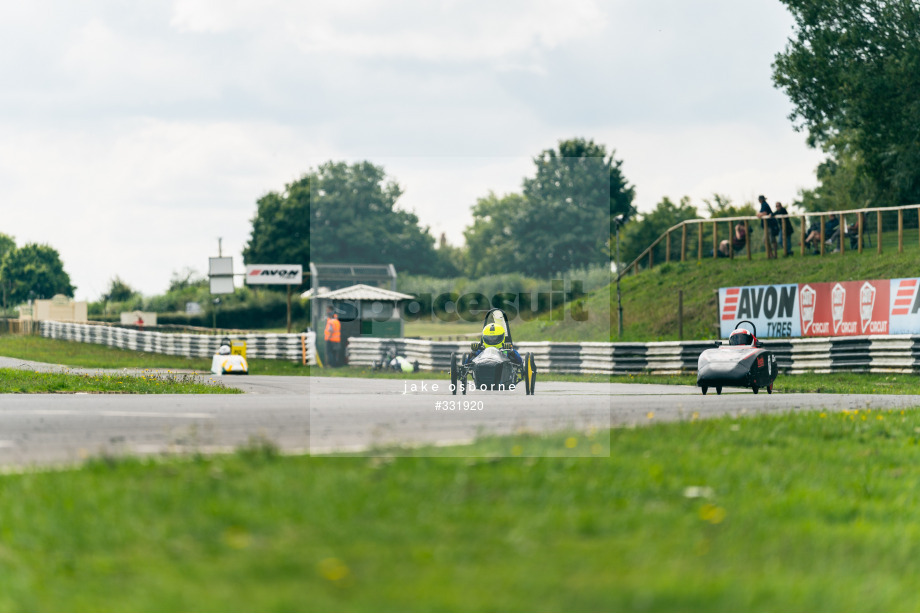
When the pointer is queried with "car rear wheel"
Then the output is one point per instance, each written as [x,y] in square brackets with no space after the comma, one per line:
[530,373]
[705,389]
[755,389]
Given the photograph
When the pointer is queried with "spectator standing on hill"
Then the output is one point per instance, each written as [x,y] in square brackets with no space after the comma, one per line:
[771,226]
[739,240]
[785,235]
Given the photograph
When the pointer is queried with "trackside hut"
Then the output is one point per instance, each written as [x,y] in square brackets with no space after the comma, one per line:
[364,311]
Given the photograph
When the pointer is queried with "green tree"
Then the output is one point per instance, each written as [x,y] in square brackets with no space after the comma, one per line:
[636,236]
[450,260]
[7,243]
[491,241]
[340,213]
[119,291]
[851,70]
[281,227]
[570,202]
[35,269]
[842,183]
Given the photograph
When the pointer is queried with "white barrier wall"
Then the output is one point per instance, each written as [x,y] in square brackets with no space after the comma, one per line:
[878,353]
[258,345]
[897,353]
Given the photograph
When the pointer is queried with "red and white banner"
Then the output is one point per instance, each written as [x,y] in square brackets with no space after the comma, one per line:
[826,309]
[835,309]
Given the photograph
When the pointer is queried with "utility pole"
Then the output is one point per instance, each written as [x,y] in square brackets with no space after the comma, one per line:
[619,221]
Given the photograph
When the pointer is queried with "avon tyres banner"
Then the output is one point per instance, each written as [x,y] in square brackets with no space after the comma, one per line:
[831,309]
[844,308]
[905,306]
[774,310]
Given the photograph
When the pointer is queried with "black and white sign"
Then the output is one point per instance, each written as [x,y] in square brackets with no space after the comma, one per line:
[284,274]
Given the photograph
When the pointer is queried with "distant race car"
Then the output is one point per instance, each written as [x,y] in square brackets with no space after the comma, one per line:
[226,363]
[493,364]
[743,363]
[392,361]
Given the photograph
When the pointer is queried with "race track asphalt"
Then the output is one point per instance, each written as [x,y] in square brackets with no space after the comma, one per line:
[319,414]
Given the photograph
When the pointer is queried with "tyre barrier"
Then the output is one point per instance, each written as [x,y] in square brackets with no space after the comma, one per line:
[890,353]
[292,347]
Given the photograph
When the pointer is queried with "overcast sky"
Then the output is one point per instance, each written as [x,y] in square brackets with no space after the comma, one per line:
[134,134]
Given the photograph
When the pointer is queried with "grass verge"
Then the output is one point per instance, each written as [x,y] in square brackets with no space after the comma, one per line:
[800,512]
[21,381]
[95,356]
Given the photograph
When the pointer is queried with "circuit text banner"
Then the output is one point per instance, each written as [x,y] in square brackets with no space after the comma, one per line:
[827,309]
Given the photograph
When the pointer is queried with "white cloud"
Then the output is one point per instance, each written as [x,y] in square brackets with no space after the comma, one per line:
[146,198]
[408,29]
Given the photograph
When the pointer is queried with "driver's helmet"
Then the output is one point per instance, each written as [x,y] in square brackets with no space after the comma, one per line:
[493,336]
[741,336]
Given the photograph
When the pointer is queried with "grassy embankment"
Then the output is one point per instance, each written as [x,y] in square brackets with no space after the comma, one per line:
[803,512]
[650,298]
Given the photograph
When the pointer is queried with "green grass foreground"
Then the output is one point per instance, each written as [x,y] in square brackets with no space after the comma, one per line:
[21,381]
[802,512]
[95,356]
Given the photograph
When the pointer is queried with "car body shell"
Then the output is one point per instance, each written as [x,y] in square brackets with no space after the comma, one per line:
[739,366]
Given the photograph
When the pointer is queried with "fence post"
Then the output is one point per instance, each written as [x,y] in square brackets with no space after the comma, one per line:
[683,241]
[859,230]
[802,240]
[900,231]
[715,240]
[841,233]
[699,243]
[766,237]
[821,221]
[731,240]
[878,219]
[747,238]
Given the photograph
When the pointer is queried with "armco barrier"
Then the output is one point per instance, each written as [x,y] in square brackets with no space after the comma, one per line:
[258,345]
[896,353]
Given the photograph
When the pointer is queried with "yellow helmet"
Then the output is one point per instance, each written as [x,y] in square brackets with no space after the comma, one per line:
[493,336]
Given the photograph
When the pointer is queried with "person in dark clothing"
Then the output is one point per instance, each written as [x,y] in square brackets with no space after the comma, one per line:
[785,235]
[771,226]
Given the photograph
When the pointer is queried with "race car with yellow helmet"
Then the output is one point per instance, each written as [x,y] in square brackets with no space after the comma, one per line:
[493,363]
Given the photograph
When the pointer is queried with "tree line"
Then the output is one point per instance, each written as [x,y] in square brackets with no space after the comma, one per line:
[852,72]
[32,271]
[339,212]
